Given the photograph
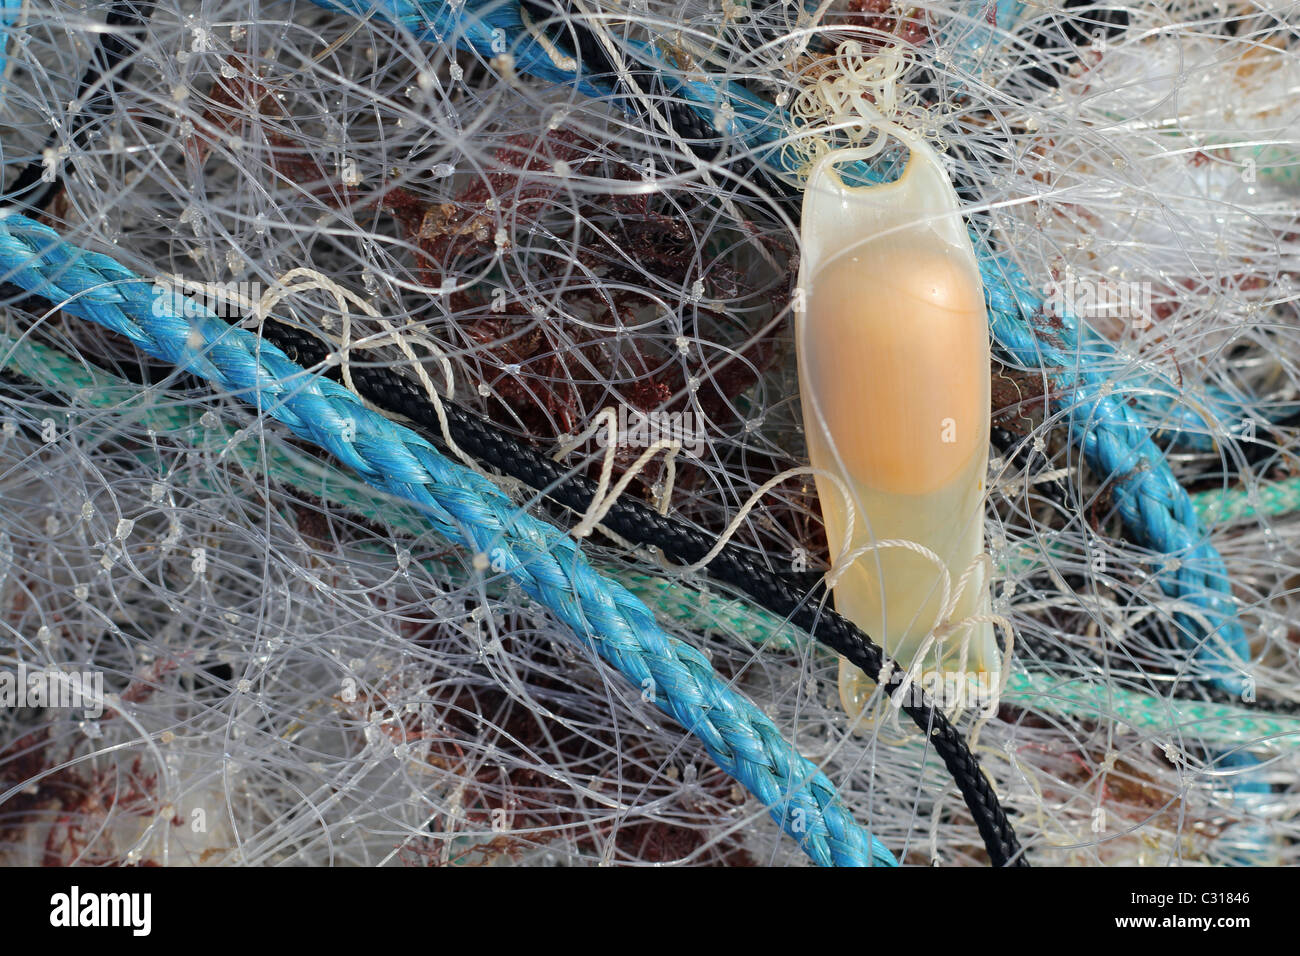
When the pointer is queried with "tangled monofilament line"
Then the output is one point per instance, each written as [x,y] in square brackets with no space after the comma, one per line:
[1000,839]
[588,213]
[774,594]
[1114,438]
[547,564]
[1080,696]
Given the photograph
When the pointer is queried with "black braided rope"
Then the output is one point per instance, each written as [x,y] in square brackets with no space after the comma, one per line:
[111,58]
[636,79]
[636,522]
[565,28]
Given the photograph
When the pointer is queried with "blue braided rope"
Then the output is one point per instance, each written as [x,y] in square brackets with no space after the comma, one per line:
[1151,503]
[1156,511]
[463,506]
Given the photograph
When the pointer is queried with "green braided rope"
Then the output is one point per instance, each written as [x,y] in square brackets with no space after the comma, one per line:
[700,609]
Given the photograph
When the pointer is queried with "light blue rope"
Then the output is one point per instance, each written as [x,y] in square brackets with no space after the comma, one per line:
[9,13]
[1079,367]
[546,563]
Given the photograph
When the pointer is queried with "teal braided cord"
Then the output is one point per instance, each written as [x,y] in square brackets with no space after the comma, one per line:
[1201,721]
[547,564]
[700,609]
[1276,498]
[1281,164]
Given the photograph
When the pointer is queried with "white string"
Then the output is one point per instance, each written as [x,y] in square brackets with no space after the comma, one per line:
[605,497]
[303,279]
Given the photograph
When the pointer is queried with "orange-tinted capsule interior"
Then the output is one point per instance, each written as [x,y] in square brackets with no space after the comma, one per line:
[897,347]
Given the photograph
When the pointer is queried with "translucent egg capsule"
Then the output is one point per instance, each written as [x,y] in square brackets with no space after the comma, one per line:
[894,378]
